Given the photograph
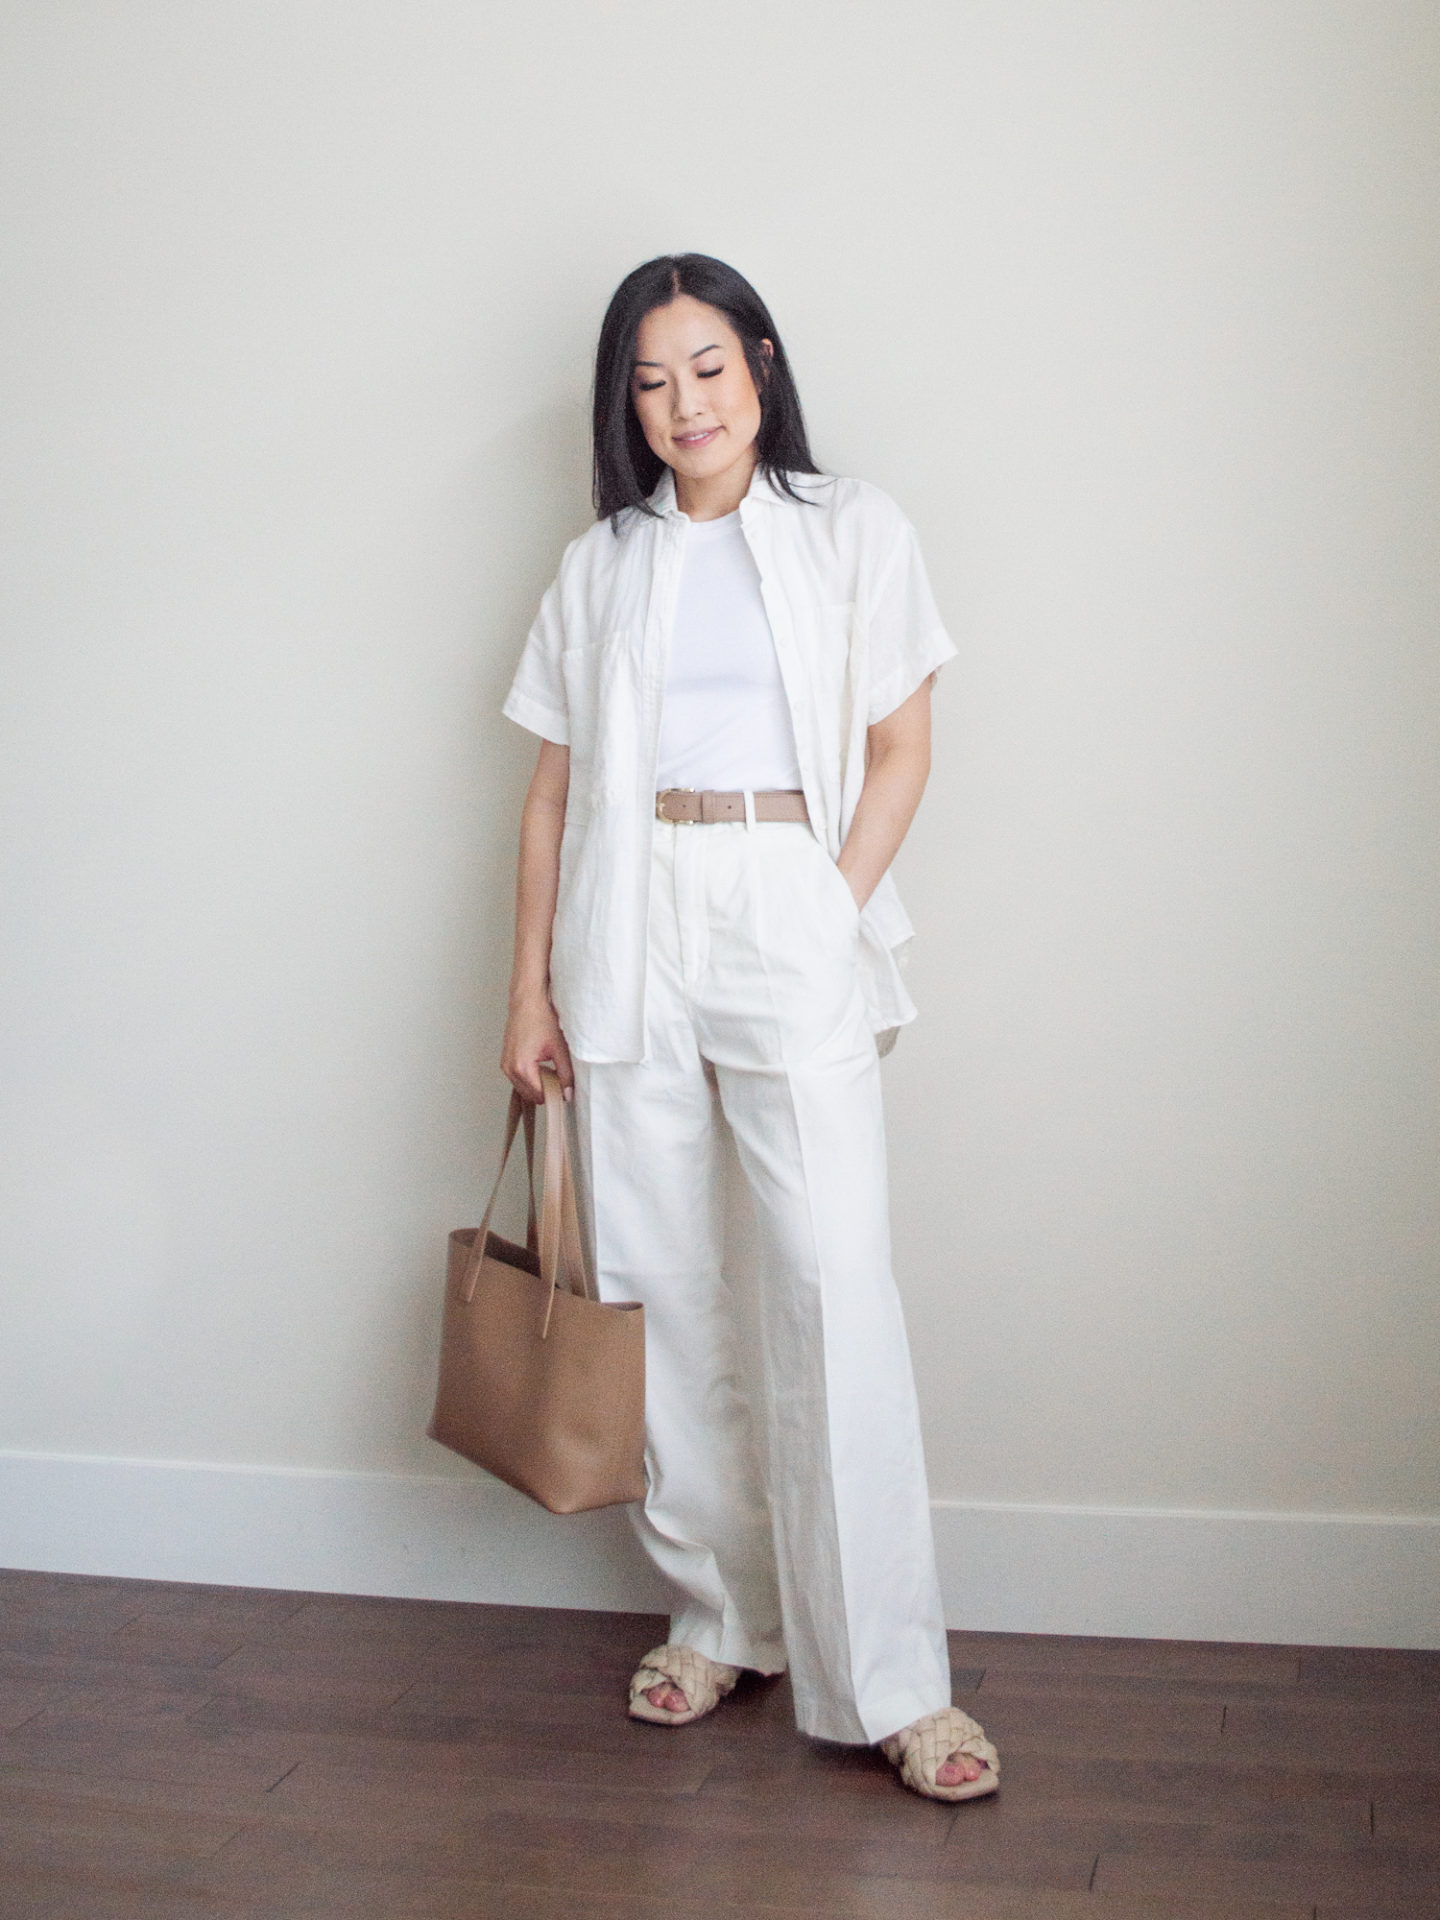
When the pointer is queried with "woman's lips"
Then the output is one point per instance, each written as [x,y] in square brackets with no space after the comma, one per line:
[693,440]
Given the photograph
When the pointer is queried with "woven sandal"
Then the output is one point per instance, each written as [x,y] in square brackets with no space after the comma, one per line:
[703,1682]
[919,1751]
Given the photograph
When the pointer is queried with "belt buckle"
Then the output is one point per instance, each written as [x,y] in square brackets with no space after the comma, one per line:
[660,800]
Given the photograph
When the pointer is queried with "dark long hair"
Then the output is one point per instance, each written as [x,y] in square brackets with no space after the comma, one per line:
[626,470]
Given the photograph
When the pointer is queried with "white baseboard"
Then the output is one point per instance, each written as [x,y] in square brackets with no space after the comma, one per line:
[1306,1579]
[1296,1579]
[422,1536]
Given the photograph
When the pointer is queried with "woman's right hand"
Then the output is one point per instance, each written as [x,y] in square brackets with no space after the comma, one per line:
[533,1038]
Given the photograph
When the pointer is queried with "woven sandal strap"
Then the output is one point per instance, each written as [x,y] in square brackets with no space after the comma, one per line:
[673,1660]
[644,1678]
[950,1723]
[935,1737]
[701,1679]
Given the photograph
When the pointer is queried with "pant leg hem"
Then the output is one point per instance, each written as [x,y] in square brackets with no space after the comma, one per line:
[725,1642]
[852,1727]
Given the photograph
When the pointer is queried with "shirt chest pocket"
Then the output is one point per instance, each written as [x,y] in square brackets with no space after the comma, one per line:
[602,702]
[833,656]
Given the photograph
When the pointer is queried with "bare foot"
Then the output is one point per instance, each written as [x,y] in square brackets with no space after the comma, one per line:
[959,1768]
[669,1698]
[675,1685]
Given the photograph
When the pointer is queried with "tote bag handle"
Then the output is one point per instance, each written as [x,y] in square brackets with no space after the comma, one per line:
[519,1109]
[556,1238]
[561,1246]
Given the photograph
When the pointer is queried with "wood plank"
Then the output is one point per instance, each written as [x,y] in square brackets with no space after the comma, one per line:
[1381,1906]
[1193,1790]
[257,1689]
[904,1900]
[22,1700]
[1399,1734]
[313,1794]
[223,1608]
[1371,1668]
[1207,1660]
[353,1895]
[1100,1688]
[233,1804]
[996,1828]
[1126,1727]
[121,1646]
[163,1752]
[120,1707]
[1356,1876]
[60,1592]
[128,1675]
[389,1660]
[82,1612]
[575,1855]
[1406,1808]
[608,1735]
[440,1623]
[648,1768]
[50,1823]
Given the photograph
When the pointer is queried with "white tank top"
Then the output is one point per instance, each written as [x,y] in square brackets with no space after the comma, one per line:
[726,722]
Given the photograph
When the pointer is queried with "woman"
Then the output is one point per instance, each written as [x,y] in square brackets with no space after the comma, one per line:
[730,679]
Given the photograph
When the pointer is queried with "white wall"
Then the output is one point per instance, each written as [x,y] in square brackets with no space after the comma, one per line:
[1132,306]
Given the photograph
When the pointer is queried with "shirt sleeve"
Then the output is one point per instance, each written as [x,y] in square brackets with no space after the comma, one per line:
[536,700]
[907,638]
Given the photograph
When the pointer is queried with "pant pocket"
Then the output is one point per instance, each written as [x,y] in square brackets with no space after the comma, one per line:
[839,888]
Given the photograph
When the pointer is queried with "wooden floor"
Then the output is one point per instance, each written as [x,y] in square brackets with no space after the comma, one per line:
[171,1752]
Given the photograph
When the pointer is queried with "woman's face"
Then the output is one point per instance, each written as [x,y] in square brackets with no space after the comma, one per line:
[692,390]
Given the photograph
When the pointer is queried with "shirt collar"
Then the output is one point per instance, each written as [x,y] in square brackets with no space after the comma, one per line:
[762,491]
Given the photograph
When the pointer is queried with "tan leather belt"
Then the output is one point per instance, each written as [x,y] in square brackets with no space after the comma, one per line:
[684,807]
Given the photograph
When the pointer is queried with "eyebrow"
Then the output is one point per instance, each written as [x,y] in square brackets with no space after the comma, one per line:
[714,347]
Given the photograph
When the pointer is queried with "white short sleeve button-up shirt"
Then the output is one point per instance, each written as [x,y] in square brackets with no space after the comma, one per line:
[856,632]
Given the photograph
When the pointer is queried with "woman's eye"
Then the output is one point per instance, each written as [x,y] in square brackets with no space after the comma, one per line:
[648,386]
[710,373]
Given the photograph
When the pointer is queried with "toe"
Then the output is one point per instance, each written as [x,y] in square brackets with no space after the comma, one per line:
[958,1769]
[668,1698]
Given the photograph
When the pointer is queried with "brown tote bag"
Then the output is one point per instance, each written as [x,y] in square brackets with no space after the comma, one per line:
[541,1382]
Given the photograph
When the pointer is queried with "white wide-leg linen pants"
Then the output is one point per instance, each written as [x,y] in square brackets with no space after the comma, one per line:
[787,1494]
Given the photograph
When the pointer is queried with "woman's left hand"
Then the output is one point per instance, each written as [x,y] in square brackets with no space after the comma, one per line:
[896,769]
